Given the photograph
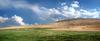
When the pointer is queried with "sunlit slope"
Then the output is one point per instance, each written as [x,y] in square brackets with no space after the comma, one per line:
[79,24]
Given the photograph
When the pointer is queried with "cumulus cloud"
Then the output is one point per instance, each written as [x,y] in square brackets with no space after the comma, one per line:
[14,20]
[65,12]
[18,19]
[57,13]
[75,4]
[3,19]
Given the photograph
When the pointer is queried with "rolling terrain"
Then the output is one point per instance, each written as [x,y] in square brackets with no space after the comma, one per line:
[79,24]
[63,30]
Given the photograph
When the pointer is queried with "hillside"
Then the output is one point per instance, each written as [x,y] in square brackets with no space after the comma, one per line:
[78,24]
[63,30]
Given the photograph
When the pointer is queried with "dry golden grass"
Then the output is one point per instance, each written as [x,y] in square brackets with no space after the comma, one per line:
[66,25]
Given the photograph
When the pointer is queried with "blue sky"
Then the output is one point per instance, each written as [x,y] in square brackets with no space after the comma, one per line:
[27,12]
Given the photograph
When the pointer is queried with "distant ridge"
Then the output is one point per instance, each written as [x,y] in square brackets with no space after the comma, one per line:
[78,24]
[78,19]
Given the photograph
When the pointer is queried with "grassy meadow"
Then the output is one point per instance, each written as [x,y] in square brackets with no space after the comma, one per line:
[38,34]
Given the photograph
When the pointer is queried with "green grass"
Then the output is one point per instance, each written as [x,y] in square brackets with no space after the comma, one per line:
[47,35]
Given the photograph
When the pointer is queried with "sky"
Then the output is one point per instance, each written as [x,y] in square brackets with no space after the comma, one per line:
[28,12]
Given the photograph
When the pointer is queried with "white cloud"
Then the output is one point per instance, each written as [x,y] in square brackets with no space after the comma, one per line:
[75,4]
[14,20]
[18,19]
[63,12]
[3,19]
[62,4]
